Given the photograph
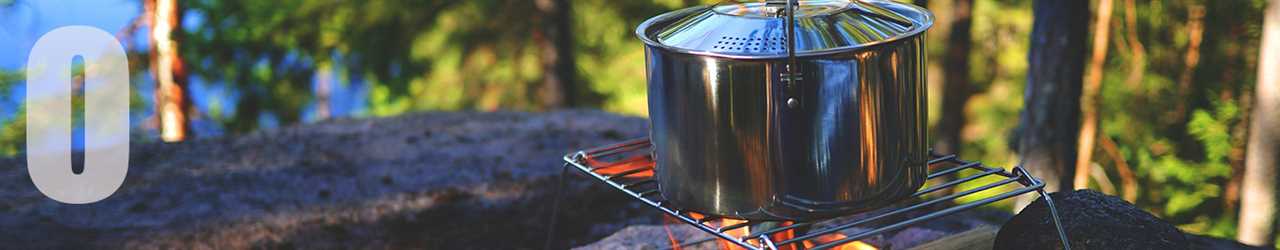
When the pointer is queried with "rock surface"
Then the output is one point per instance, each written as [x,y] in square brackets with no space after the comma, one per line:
[653,237]
[434,180]
[659,237]
[1097,221]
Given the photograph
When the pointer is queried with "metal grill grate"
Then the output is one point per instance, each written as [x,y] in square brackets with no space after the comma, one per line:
[628,168]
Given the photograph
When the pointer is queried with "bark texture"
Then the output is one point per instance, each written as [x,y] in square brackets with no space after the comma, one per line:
[559,86]
[1050,118]
[1258,199]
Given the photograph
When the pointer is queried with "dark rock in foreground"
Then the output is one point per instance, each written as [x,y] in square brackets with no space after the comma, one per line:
[437,180]
[1097,221]
[912,237]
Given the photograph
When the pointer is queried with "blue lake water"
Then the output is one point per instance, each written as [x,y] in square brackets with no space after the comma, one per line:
[22,22]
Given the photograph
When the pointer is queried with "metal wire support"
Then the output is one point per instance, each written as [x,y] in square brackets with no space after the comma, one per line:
[628,167]
[555,207]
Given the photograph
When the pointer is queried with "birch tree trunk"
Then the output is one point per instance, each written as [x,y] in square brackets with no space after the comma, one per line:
[171,99]
[1258,197]
[324,88]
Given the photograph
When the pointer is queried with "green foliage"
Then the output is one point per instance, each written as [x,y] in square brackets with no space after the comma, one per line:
[269,51]
[1181,141]
[443,55]
[13,134]
[998,64]
[1180,126]
[13,129]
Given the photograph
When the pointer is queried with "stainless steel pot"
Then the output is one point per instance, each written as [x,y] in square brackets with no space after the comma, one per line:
[747,124]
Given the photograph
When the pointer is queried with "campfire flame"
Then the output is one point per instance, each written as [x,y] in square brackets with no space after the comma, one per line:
[776,237]
[641,166]
[853,245]
[624,165]
[666,226]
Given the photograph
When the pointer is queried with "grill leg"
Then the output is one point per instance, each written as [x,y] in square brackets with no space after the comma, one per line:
[1057,222]
[555,207]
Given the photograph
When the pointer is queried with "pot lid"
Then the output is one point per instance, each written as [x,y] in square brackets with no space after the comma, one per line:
[757,29]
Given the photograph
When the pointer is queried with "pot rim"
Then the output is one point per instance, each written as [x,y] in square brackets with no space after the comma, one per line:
[926,22]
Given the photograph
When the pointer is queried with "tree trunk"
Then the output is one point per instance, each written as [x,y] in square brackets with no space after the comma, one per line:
[1089,99]
[559,69]
[956,90]
[1138,60]
[1127,180]
[170,74]
[1258,200]
[324,88]
[1195,36]
[1050,117]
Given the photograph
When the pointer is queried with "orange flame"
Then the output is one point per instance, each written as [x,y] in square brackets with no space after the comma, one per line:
[853,245]
[624,165]
[738,232]
[675,243]
[776,237]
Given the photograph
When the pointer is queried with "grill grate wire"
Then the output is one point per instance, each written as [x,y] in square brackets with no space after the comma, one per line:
[627,167]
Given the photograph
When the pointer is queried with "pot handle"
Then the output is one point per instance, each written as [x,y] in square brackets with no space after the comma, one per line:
[791,72]
[792,69]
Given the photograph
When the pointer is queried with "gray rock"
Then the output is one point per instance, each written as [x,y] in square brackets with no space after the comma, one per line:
[653,237]
[434,180]
[657,237]
[1094,220]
